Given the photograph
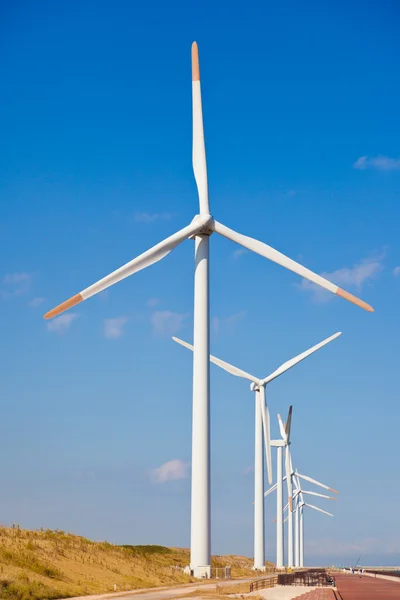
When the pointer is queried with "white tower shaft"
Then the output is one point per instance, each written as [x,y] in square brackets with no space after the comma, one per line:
[200,543]
[259,557]
[301,537]
[279,510]
[297,535]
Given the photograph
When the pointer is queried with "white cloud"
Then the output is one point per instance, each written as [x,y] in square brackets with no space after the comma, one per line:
[153,302]
[114,328]
[248,470]
[15,284]
[144,217]
[165,322]
[35,302]
[171,470]
[62,323]
[239,252]
[346,277]
[380,163]
[396,271]
[219,324]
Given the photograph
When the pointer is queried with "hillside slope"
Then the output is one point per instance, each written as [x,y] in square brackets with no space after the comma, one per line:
[45,564]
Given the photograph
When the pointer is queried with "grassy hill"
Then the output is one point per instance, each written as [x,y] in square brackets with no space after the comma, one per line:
[45,564]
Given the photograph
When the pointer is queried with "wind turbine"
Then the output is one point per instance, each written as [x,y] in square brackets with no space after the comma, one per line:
[300,503]
[202,226]
[299,510]
[262,424]
[279,445]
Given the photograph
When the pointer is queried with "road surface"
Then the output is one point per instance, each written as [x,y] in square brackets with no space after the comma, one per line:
[166,593]
[353,587]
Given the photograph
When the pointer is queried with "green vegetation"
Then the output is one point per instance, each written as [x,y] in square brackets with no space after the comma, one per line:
[48,565]
[151,549]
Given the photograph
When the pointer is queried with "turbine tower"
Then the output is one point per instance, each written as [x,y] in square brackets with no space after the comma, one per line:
[200,229]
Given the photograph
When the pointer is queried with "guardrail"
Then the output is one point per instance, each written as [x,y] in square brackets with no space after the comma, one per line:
[262,584]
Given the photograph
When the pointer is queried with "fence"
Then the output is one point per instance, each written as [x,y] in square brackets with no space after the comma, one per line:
[261,584]
[311,577]
[221,572]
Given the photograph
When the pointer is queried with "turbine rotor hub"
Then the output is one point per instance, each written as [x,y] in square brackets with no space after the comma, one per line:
[207,225]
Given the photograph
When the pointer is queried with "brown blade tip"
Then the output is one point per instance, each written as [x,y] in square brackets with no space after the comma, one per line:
[195,62]
[332,490]
[63,306]
[291,504]
[354,300]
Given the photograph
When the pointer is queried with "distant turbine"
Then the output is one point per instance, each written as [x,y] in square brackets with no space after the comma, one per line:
[262,425]
[202,226]
[300,503]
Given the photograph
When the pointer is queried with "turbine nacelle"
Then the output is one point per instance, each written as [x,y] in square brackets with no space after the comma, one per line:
[254,387]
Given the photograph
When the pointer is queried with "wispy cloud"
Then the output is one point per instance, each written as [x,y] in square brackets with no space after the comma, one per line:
[171,470]
[396,271]
[144,217]
[238,253]
[15,284]
[165,322]
[62,323]
[114,328]
[248,470]
[153,302]
[380,163]
[348,277]
[35,302]
[220,324]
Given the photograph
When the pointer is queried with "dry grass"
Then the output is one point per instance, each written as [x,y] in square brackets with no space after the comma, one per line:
[45,564]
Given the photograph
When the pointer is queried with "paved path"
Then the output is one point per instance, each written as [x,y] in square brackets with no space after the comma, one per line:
[353,587]
[165,593]
[318,594]
[296,592]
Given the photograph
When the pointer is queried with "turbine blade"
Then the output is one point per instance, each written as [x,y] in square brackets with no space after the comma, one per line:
[270,490]
[289,479]
[137,264]
[294,361]
[199,150]
[319,495]
[224,365]
[281,428]
[319,509]
[288,263]
[288,423]
[306,478]
[266,431]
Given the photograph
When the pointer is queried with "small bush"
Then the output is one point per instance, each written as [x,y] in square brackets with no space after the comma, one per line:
[151,549]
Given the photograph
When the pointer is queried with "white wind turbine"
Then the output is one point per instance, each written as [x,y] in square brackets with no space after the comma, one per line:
[279,444]
[300,503]
[262,425]
[202,226]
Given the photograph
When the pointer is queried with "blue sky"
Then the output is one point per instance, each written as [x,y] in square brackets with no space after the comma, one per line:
[302,135]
